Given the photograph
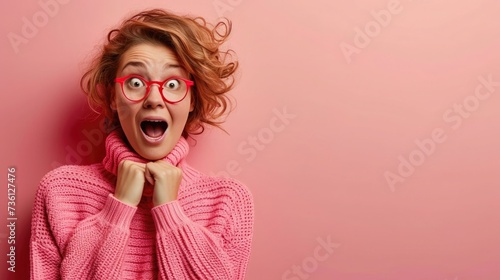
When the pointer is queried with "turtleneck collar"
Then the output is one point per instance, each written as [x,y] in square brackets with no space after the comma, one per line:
[117,150]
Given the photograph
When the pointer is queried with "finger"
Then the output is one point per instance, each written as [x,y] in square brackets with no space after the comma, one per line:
[159,165]
[149,177]
[158,172]
[128,163]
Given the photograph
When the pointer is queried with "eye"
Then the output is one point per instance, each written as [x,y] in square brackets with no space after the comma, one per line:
[172,84]
[135,82]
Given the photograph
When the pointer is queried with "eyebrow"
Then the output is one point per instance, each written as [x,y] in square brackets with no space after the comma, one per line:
[140,64]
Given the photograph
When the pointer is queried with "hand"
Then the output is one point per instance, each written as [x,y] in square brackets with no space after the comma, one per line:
[130,182]
[166,179]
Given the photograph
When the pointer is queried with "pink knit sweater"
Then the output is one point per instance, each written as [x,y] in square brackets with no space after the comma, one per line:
[80,231]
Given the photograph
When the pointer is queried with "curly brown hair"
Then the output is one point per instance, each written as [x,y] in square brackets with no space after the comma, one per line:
[197,46]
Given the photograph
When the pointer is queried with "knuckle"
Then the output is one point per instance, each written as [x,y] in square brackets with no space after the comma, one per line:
[126,163]
[135,168]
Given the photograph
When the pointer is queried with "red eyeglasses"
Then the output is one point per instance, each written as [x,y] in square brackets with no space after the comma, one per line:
[173,90]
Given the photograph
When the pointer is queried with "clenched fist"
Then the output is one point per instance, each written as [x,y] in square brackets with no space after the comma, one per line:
[166,179]
[132,176]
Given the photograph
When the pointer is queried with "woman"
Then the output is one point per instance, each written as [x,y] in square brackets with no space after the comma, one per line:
[144,213]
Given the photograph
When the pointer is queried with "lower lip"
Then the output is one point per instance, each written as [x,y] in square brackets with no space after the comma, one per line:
[152,140]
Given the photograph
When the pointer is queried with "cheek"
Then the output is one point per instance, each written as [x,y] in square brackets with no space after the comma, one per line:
[179,113]
[114,99]
[125,111]
[191,102]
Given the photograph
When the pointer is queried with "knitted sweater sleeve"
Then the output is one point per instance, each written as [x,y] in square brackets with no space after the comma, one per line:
[97,248]
[44,253]
[93,248]
[188,250]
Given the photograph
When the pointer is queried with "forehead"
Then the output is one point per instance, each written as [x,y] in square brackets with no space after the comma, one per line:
[148,55]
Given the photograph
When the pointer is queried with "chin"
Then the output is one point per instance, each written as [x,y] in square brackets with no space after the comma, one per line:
[154,153]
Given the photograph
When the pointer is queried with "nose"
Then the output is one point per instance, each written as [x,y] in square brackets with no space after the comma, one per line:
[154,98]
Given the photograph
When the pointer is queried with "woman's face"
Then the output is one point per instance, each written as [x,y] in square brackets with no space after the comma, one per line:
[152,126]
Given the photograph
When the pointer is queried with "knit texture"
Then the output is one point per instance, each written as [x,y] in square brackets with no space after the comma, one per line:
[81,231]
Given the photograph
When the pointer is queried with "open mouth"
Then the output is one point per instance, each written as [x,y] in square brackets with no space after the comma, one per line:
[154,129]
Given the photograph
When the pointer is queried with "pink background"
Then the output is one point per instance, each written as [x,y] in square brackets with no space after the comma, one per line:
[321,174]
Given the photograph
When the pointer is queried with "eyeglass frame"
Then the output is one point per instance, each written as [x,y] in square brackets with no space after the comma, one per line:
[160,84]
